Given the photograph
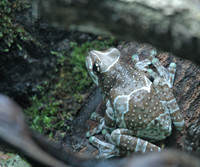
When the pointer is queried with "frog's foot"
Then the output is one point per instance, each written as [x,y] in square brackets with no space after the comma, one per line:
[140,65]
[167,73]
[106,150]
[100,124]
[123,139]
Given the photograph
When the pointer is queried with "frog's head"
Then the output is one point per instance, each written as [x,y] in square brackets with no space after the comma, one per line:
[99,63]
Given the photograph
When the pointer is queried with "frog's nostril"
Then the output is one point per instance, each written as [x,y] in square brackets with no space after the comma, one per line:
[92,52]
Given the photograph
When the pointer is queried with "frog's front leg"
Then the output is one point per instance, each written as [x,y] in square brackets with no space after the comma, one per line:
[143,64]
[106,150]
[100,124]
[168,74]
[107,122]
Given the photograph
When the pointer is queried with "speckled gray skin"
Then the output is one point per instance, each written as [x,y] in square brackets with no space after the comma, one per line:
[138,111]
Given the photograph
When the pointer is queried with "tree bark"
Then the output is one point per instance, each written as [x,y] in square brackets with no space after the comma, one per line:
[171,25]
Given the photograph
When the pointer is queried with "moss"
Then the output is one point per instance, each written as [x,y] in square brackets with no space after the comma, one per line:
[10,31]
[11,159]
[54,107]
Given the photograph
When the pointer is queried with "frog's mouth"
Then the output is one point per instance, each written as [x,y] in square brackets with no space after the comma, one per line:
[89,65]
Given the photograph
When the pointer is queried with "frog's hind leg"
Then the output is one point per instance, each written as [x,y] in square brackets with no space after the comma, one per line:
[123,143]
[175,113]
[106,150]
[164,83]
[125,139]
[168,100]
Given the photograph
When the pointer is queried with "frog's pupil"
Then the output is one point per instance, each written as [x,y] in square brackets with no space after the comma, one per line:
[96,68]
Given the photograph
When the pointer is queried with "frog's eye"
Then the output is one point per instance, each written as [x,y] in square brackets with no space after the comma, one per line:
[96,68]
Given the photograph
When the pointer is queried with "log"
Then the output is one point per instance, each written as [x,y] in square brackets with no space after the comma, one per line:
[186,91]
[44,153]
[172,26]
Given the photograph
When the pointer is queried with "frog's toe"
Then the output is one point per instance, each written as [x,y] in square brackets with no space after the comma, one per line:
[154,60]
[135,58]
[93,115]
[96,117]
[153,52]
[92,139]
[104,132]
[172,65]
[152,74]
[88,134]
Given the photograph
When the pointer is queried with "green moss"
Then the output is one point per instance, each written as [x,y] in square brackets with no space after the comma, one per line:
[11,159]
[10,31]
[53,108]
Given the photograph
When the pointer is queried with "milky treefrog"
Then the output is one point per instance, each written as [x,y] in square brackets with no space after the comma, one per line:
[139,110]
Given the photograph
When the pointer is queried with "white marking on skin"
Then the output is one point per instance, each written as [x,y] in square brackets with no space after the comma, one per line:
[89,66]
[147,87]
[109,62]
[138,145]
[144,146]
[121,108]
[109,110]
[94,77]
[117,135]
[179,124]
[171,101]
[88,62]
[177,109]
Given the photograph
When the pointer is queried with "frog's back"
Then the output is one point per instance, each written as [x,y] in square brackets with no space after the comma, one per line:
[145,112]
[148,116]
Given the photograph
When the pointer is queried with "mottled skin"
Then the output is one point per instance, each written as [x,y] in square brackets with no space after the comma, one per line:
[138,111]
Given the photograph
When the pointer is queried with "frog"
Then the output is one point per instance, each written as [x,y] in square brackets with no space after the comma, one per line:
[140,105]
